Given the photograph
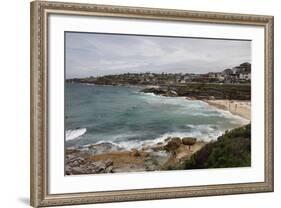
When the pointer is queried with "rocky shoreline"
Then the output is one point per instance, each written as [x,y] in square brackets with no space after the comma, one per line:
[201,91]
[109,158]
[231,149]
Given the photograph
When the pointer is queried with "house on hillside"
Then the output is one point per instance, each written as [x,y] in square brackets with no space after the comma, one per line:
[227,72]
[245,76]
[236,70]
[182,81]
[246,67]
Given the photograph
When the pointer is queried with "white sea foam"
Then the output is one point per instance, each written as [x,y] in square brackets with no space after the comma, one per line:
[183,102]
[74,133]
[204,132]
[201,132]
[229,115]
[151,98]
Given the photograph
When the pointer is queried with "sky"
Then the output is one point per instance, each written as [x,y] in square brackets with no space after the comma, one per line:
[93,54]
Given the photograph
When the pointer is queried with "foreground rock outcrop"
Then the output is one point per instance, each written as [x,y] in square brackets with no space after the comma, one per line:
[109,158]
[232,149]
[78,165]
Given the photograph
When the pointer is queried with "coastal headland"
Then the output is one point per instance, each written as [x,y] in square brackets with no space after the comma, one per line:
[232,149]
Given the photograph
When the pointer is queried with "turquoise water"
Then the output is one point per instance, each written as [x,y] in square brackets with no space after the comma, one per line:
[129,118]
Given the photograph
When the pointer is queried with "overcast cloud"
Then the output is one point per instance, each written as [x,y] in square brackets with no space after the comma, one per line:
[102,54]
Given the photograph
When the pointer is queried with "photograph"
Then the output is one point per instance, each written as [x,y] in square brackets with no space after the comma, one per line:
[140,103]
[134,103]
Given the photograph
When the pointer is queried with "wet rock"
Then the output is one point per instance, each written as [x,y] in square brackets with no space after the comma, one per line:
[173,144]
[167,139]
[158,147]
[171,93]
[156,91]
[189,141]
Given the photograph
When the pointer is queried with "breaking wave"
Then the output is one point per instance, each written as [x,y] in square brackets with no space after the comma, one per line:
[74,133]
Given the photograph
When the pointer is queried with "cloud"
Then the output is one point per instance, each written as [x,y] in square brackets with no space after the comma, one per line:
[92,54]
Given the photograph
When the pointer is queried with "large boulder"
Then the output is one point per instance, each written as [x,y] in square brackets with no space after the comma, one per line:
[189,141]
[173,144]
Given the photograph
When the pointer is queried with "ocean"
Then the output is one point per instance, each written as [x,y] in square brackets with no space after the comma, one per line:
[124,116]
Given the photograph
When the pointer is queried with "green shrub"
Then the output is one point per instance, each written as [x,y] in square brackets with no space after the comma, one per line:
[232,149]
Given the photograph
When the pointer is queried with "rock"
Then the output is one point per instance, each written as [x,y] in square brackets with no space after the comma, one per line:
[108,163]
[109,169]
[173,144]
[100,166]
[171,93]
[75,163]
[167,139]
[158,147]
[97,167]
[104,147]
[70,157]
[156,91]
[68,170]
[135,152]
[189,140]
[144,154]
[77,170]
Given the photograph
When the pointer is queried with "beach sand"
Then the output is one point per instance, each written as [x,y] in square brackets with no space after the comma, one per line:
[236,107]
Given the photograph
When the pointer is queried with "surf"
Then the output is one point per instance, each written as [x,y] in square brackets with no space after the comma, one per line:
[74,133]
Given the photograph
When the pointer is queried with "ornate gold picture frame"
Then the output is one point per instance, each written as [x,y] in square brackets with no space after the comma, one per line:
[40,85]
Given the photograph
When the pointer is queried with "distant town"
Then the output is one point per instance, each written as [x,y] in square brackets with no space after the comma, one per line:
[234,83]
[238,74]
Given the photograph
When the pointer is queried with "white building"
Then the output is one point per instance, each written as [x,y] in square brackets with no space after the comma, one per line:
[245,76]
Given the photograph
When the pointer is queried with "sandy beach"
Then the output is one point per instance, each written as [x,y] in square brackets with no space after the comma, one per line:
[236,107]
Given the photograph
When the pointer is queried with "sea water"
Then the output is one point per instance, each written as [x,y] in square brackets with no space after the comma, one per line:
[124,116]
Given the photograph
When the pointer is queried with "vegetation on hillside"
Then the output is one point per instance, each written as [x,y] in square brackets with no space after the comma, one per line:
[232,149]
[218,91]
